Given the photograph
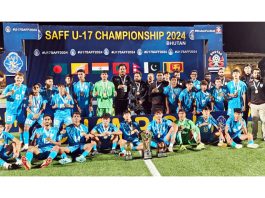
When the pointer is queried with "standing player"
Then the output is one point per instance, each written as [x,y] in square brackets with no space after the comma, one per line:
[208,78]
[36,106]
[62,103]
[236,131]
[69,85]
[46,144]
[163,131]
[122,86]
[147,104]
[106,134]
[172,93]
[187,98]
[77,135]
[83,94]
[188,133]
[236,90]
[9,147]
[181,82]
[218,96]
[130,133]
[203,97]
[15,99]
[104,91]
[196,83]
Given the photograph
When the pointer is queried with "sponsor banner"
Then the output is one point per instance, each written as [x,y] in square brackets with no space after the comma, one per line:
[215,60]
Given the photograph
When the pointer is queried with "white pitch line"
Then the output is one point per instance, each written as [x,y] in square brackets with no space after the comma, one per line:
[151,167]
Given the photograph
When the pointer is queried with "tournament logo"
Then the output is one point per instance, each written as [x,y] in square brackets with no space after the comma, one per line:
[170,52]
[39,35]
[218,30]
[106,51]
[191,35]
[139,52]
[8,29]
[13,62]
[36,52]
[216,59]
[72,52]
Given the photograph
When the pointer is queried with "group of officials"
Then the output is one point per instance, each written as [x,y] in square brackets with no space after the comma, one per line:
[56,112]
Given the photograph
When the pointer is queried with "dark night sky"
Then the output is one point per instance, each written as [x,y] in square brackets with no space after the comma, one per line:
[238,36]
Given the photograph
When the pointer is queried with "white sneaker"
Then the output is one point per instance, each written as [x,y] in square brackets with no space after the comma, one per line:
[25,147]
[19,163]
[253,146]
[7,166]
[170,148]
[238,146]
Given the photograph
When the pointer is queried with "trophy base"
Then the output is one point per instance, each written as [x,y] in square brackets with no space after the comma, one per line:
[161,154]
[128,157]
[147,154]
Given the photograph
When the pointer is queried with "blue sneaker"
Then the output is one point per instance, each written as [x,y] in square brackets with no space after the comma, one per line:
[80,159]
[65,161]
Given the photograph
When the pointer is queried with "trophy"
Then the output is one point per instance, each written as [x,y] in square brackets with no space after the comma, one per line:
[146,138]
[161,150]
[128,149]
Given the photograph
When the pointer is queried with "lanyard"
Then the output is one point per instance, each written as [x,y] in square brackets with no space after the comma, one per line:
[236,85]
[138,85]
[64,100]
[105,86]
[158,85]
[159,127]
[36,101]
[105,129]
[123,81]
[82,85]
[256,86]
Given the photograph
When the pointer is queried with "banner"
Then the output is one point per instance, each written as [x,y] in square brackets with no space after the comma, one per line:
[215,60]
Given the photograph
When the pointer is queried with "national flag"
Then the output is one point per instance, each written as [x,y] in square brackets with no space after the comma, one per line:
[115,67]
[136,68]
[76,66]
[173,66]
[99,67]
[151,67]
[59,69]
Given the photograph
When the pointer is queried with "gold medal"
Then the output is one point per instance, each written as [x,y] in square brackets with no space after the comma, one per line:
[137,93]
[256,91]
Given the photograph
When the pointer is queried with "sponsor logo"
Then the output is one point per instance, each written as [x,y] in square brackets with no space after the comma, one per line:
[139,52]
[8,29]
[36,52]
[106,51]
[72,52]
[170,52]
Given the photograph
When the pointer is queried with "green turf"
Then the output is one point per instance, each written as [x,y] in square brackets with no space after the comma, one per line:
[213,161]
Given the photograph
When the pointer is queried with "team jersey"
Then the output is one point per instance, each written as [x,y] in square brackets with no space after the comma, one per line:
[186,98]
[197,85]
[82,92]
[105,95]
[159,129]
[126,129]
[186,126]
[236,102]
[5,138]
[15,102]
[60,101]
[74,134]
[36,104]
[210,121]
[172,94]
[43,140]
[48,94]
[219,96]
[235,128]
[99,128]
[202,100]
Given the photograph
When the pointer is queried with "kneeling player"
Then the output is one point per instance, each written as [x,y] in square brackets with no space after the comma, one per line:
[130,133]
[188,132]
[236,131]
[77,136]
[8,150]
[46,145]
[106,134]
[163,131]
[205,123]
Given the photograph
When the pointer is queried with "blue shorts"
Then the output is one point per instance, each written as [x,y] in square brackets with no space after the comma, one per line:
[10,118]
[78,147]
[209,137]
[59,119]
[161,139]
[29,121]
[237,139]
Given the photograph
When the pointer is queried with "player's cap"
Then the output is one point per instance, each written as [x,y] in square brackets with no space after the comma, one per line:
[105,116]
[237,110]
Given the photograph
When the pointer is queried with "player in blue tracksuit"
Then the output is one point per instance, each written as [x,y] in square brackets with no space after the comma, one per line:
[187,98]
[83,94]
[77,137]
[218,95]
[202,97]
[36,106]
[47,93]
[163,131]
[172,93]
[63,104]
[9,147]
[210,131]
[45,144]
[196,83]
[106,134]
[236,131]
[130,133]
[15,95]
[236,90]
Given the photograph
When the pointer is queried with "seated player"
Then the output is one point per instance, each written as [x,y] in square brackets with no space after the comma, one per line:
[163,131]
[236,131]
[202,97]
[46,144]
[36,106]
[218,96]
[188,132]
[62,103]
[130,133]
[106,134]
[9,147]
[205,124]
[187,98]
[77,136]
